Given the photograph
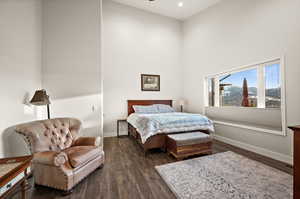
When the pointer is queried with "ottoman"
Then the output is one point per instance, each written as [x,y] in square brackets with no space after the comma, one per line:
[188,144]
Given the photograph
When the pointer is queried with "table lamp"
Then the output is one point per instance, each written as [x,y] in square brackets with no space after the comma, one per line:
[182,102]
[40,98]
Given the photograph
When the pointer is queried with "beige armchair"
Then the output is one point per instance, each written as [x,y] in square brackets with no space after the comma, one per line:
[61,158]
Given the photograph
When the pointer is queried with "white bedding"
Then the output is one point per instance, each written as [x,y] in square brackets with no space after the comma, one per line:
[148,125]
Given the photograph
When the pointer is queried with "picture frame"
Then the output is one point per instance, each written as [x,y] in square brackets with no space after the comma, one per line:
[150,82]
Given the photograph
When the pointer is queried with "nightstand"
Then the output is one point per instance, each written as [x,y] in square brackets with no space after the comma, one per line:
[13,175]
[118,125]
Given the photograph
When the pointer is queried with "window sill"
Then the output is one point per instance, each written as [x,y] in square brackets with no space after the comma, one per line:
[240,107]
[264,129]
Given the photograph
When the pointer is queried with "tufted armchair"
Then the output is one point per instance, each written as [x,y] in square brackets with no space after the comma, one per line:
[61,158]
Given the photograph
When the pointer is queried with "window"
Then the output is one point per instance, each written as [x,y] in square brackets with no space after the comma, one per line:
[239,89]
[211,92]
[254,86]
[273,89]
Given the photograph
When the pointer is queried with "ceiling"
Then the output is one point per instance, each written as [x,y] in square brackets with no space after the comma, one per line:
[170,8]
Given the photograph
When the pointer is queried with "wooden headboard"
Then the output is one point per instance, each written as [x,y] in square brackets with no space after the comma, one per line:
[130,103]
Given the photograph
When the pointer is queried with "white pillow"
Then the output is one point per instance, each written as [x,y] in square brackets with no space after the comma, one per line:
[145,109]
[163,108]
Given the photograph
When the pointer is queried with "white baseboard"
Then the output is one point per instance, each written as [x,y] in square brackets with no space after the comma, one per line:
[114,134]
[262,151]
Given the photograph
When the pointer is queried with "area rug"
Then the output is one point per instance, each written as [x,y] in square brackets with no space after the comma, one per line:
[226,176]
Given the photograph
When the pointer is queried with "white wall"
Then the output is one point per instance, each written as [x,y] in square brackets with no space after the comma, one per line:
[230,34]
[20,68]
[137,42]
[238,32]
[71,60]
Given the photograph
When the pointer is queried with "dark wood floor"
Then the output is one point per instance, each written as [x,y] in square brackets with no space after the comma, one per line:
[128,174]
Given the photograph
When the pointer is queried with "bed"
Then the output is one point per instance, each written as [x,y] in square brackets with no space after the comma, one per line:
[150,130]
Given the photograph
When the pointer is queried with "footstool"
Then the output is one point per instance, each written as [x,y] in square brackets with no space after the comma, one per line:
[187,144]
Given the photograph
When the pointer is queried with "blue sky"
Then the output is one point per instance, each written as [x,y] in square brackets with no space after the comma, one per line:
[272,77]
[237,78]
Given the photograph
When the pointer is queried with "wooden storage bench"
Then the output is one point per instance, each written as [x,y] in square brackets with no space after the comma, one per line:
[187,144]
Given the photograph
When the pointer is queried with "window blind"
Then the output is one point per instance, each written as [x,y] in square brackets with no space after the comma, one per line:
[260,118]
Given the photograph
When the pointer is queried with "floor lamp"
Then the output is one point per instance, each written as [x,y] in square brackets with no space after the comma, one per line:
[40,98]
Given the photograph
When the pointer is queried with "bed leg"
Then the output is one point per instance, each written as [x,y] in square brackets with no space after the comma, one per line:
[145,152]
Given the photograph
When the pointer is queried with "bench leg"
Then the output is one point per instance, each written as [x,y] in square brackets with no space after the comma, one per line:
[66,193]
[179,159]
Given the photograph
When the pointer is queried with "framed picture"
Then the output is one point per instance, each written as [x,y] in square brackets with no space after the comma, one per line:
[150,82]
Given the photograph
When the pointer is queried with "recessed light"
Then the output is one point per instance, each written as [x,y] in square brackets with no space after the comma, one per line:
[180,4]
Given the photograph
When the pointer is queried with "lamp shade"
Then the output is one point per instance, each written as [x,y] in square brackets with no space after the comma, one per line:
[40,98]
[182,102]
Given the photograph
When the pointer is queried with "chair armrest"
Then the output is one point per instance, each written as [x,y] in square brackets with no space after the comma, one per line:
[50,158]
[87,141]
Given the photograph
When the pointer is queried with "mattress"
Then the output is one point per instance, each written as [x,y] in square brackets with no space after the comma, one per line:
[149,125]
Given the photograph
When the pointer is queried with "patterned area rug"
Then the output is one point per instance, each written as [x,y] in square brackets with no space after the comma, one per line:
[226,176]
